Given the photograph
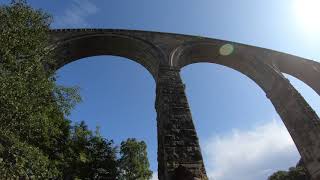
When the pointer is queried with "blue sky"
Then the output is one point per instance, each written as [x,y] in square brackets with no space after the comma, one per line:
[240,132]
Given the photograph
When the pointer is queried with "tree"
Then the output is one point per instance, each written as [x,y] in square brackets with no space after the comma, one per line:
[299,173]
[32,106]
[90,155]
[134,164]
[103,164]
[294,173]
[37,141]
[19,160]
[279,175]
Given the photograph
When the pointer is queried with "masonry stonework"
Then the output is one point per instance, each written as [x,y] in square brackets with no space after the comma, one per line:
[164,54]
[301,121]
[178,144]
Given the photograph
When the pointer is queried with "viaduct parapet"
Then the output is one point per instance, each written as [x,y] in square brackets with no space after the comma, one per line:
[164,54]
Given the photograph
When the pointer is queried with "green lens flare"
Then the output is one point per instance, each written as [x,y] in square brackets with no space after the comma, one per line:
[226,50]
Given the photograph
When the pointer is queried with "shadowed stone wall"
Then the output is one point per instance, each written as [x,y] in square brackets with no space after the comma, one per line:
[179,153]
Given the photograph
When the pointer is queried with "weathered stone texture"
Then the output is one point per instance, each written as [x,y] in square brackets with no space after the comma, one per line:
[301,121]
[178,144]
[164,54]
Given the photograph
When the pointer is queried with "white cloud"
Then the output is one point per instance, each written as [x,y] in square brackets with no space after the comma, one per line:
[250,155]
[155,176]
[75,15]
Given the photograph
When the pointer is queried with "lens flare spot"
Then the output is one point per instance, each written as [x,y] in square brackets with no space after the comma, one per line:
[226,50]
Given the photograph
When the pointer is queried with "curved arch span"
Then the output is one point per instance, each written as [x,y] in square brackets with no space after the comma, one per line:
[299,118]
[144,53]
[164,54]
[305,70]
[309,94]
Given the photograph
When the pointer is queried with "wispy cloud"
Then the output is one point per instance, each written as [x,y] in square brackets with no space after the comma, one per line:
[76,14]
[250,155]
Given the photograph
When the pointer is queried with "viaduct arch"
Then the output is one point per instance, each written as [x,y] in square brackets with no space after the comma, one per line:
[164,54]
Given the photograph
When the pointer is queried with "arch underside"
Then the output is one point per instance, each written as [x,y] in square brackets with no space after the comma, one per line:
[155,50]
[305,70]
[73,49]
[150,49]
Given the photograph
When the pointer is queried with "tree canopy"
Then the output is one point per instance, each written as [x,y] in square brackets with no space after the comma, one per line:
[294,173]
[37,141]
[134,164]
[33,126]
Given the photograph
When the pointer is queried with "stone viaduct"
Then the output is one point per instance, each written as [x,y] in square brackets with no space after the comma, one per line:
[164,54]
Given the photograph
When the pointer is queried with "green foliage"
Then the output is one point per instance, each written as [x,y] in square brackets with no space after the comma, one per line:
[66,98]
[90,156]
[134,164]
[93,157]
[36,139]
[280,175]
[294,173]
[31,107]
[21,160]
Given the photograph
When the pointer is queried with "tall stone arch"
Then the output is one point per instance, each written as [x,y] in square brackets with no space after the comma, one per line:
[301,121]
[179,155]
[164,54]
